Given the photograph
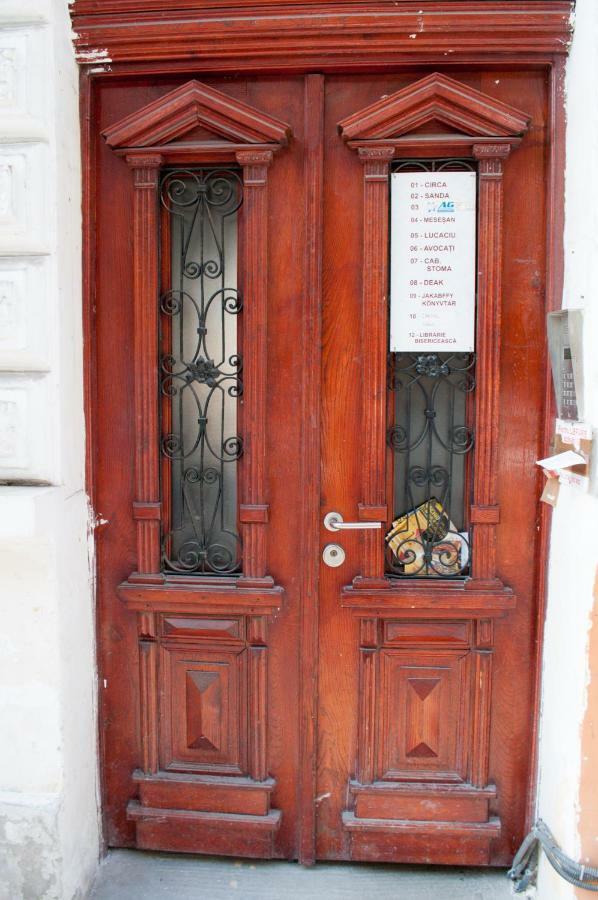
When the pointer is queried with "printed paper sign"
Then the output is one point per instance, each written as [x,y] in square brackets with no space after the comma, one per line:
[432,269]
[561,461]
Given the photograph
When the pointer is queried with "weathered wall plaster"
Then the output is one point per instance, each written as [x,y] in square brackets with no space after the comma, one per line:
[588,792]
[574,549]
[49,836]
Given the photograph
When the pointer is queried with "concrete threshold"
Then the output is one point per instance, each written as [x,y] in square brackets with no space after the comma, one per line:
[137,875]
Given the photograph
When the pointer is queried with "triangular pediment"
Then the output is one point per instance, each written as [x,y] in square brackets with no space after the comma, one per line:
[435,101]
[195,108]
[435,126]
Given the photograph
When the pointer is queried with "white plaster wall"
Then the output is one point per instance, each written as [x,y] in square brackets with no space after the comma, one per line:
[574,548]
[49,837]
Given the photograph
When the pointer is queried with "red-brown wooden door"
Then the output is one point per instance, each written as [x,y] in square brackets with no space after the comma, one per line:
[287,708]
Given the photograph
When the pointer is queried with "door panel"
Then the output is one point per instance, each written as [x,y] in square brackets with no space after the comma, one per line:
[423,701]
[422,713]
[203,710]
[209,679]
[405,740]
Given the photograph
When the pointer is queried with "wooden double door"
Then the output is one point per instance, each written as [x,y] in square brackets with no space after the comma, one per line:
[255,700]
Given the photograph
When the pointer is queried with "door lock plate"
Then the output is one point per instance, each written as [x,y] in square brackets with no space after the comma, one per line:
[333,555]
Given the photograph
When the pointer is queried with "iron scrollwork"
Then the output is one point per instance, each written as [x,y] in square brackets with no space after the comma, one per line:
[201,372]
[430,441]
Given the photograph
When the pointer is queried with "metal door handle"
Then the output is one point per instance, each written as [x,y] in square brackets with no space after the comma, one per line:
[333,521]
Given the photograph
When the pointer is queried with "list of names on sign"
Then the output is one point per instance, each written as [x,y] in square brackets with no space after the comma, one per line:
[432,269]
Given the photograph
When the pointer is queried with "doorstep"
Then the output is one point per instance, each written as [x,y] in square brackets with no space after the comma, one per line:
[139,875]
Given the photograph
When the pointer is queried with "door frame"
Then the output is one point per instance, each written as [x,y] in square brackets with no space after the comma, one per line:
[541,37]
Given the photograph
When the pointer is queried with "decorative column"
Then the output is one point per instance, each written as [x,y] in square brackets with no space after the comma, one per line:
[253,510]
[482,696]
[148,691]
[258,697]
[368,689]
[374,346]
[485,514]
[146,507]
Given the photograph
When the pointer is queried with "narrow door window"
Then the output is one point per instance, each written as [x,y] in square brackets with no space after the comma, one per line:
[200,371]
[430,435]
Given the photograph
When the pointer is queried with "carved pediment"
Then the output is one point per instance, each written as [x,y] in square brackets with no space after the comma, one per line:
[191,110]
[435,103]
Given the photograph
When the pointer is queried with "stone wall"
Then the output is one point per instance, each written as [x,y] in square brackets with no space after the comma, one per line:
[49,838]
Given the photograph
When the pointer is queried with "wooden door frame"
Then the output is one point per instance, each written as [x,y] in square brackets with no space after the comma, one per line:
[399,38]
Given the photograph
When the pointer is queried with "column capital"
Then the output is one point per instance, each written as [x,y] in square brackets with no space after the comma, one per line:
[491,157]
[145,168]
[376,162]
[254,157]
[378,153]
[144,160]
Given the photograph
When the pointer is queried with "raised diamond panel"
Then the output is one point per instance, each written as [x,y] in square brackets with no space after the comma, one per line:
[422,714]
[204,710]
[203,720]
[422,718]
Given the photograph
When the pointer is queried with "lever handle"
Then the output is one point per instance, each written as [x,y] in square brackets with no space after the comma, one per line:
[333,521]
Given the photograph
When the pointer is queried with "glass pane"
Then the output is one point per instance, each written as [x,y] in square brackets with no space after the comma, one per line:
[201,373]
[430,440]
[431,435]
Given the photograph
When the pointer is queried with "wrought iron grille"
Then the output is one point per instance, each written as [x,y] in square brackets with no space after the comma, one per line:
[433,165]
[431,435]
[201,373]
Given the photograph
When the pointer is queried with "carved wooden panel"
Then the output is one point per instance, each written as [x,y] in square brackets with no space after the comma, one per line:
[422,718]
[416,619]
[481,127]
[439,99]
[253,510]
[202,627]
[203,709]
[356,34]
[235,132]
[405,632]
[180,111]
[146,509]
[376,166]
